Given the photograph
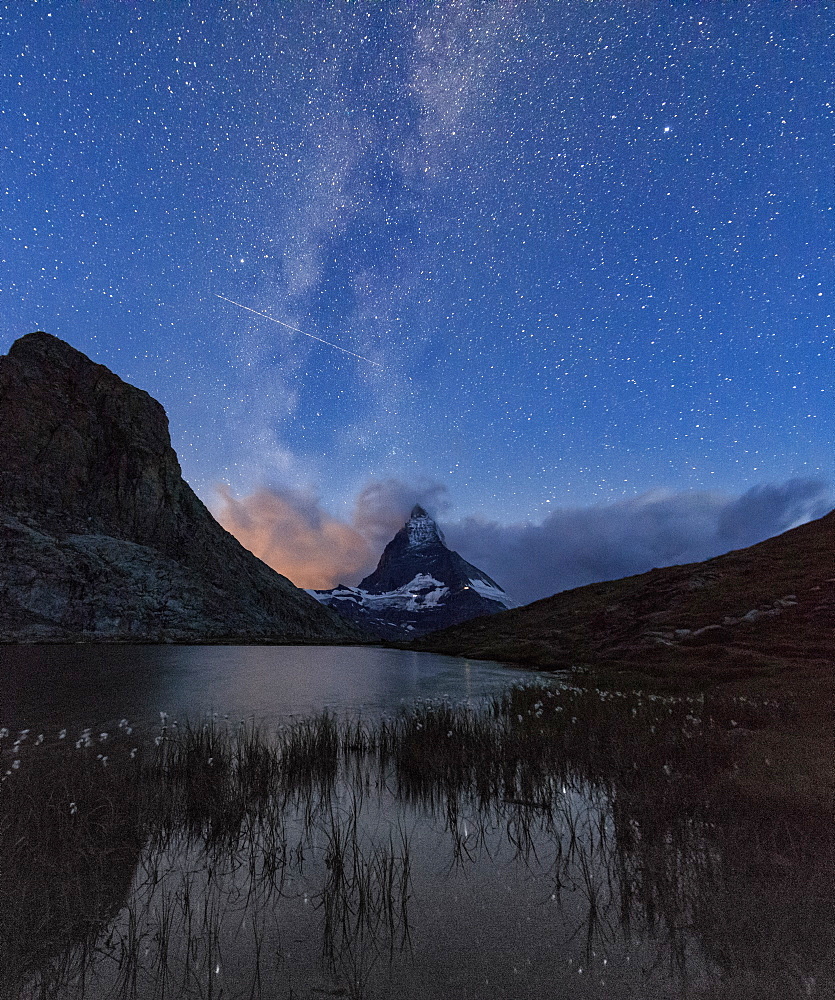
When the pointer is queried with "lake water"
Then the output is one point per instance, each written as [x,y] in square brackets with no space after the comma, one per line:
[544,846]
[74,686]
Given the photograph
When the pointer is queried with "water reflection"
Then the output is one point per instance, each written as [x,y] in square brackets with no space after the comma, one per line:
[516,849]
[94,685]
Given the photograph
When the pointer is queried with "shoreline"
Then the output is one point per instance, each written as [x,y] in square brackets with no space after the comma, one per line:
[787,763]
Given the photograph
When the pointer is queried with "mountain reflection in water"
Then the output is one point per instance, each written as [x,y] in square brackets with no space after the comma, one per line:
[552,841]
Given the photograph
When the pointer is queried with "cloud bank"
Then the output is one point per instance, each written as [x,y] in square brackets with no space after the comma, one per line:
[291,532]
[289,529]
[576,546]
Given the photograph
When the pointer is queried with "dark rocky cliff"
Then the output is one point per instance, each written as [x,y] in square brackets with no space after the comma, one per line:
[100,536]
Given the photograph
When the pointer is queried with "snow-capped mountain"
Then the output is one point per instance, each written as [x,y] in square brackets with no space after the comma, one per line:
[419,585]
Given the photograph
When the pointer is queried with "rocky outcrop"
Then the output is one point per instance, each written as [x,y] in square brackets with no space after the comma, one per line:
[768,606]
[100,536]
[419,585]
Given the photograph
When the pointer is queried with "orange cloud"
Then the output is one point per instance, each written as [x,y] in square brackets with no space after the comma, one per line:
[291,533]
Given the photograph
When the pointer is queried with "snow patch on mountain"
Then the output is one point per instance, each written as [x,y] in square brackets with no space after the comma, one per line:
[419,585]
[492,592]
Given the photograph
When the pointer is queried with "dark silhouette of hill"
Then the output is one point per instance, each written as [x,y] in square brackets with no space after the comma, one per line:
[100,536]
[768,606]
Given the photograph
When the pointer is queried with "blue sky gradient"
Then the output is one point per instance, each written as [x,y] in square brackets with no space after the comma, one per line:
[588,246]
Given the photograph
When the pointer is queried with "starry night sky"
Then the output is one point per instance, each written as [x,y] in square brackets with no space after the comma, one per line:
[583,250]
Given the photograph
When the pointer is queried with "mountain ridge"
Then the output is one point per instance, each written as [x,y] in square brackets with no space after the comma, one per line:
[418,585]
[766,606]
[101,539]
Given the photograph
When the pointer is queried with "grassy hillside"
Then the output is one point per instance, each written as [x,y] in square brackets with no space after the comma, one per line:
[757,623]
[762,608]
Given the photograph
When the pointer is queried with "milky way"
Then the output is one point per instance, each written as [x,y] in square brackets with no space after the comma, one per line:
[588,246]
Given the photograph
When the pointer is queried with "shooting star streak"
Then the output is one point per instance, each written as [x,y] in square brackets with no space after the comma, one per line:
[295,329]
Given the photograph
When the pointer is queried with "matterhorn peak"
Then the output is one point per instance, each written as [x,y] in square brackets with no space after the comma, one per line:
[419,585]
[422,530]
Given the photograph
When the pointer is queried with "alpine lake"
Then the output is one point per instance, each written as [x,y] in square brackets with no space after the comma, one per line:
[299,822]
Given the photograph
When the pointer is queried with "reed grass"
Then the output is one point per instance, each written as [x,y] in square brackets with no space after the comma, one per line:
[127,863]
